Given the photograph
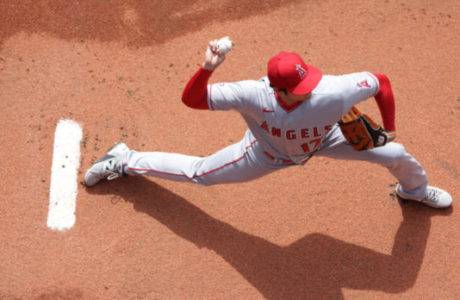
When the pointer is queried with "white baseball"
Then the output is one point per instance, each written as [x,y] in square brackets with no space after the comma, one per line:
[224,45]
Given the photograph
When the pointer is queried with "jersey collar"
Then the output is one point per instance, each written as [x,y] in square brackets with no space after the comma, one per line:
[287,107]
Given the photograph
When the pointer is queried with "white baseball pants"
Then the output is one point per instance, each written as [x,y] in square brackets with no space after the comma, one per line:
[246,160]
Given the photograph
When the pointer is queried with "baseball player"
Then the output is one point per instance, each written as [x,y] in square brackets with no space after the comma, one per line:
[292,114]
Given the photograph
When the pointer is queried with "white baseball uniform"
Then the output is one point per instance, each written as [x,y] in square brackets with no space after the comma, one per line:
[277,137]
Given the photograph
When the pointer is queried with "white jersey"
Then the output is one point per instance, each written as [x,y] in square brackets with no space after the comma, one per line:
[297,133]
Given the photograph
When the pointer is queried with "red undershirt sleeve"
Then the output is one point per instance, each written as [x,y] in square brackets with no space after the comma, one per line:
[386,102]
[195,94]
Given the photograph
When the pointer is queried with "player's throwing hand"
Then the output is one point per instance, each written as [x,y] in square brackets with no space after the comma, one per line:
[213,57]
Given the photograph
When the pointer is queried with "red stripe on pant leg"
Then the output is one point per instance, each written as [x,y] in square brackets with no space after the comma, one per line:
[232,162]
[221,167]
[206,173]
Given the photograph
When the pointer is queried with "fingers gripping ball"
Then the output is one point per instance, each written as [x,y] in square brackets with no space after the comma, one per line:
[224,45]
[361,131]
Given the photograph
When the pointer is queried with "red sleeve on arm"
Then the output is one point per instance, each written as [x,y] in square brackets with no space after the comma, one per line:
[195,94]
[386,102]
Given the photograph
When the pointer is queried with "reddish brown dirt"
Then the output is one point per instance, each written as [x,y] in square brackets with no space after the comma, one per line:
[327,230]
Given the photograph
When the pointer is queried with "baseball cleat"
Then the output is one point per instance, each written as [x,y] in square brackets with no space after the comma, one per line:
[434,197]
[108,167]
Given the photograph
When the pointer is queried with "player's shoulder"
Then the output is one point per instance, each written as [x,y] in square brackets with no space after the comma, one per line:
[262,83]
[247,85]
[328,85]
[334,79]
[265,82]
[253,87]
[331,84]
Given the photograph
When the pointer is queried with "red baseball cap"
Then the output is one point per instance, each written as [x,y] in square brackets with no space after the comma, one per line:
[287,70]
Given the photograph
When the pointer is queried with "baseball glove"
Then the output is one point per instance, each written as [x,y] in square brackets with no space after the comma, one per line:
[362,132]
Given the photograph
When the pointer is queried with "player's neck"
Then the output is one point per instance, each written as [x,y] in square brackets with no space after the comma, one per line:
[291,99]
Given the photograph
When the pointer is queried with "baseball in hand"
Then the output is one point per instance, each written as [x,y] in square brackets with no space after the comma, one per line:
[224,45]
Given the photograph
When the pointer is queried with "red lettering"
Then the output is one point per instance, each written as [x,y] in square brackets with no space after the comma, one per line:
[264,126]
[305,148]
[290,135]
[315,132]
[276,132]
[305,133]
[327,128]
[316,143]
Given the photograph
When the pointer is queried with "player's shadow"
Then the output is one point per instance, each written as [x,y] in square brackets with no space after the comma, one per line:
[135,22]
[315,266]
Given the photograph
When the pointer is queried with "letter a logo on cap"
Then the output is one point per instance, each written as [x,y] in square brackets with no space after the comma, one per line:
[301,71]
[287,70]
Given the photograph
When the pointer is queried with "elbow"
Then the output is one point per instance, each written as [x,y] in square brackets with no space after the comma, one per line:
[384,81]
[185,100]
[385,90]
[194,103]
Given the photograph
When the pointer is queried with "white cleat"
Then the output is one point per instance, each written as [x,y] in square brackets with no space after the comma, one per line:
[434,197]
[108,167]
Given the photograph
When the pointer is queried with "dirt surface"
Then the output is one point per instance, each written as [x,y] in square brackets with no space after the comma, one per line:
[329,229]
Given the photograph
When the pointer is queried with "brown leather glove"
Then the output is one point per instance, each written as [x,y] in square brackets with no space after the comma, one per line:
[362,132]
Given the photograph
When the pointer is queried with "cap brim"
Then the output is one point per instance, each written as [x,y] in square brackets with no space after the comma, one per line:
[309,83]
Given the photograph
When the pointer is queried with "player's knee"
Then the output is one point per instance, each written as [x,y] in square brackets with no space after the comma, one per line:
[397,153]
[398,150]
[199,175]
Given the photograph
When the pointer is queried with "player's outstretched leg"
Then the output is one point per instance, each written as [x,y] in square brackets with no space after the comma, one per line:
[240,162]
[109,167]
[413,181]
